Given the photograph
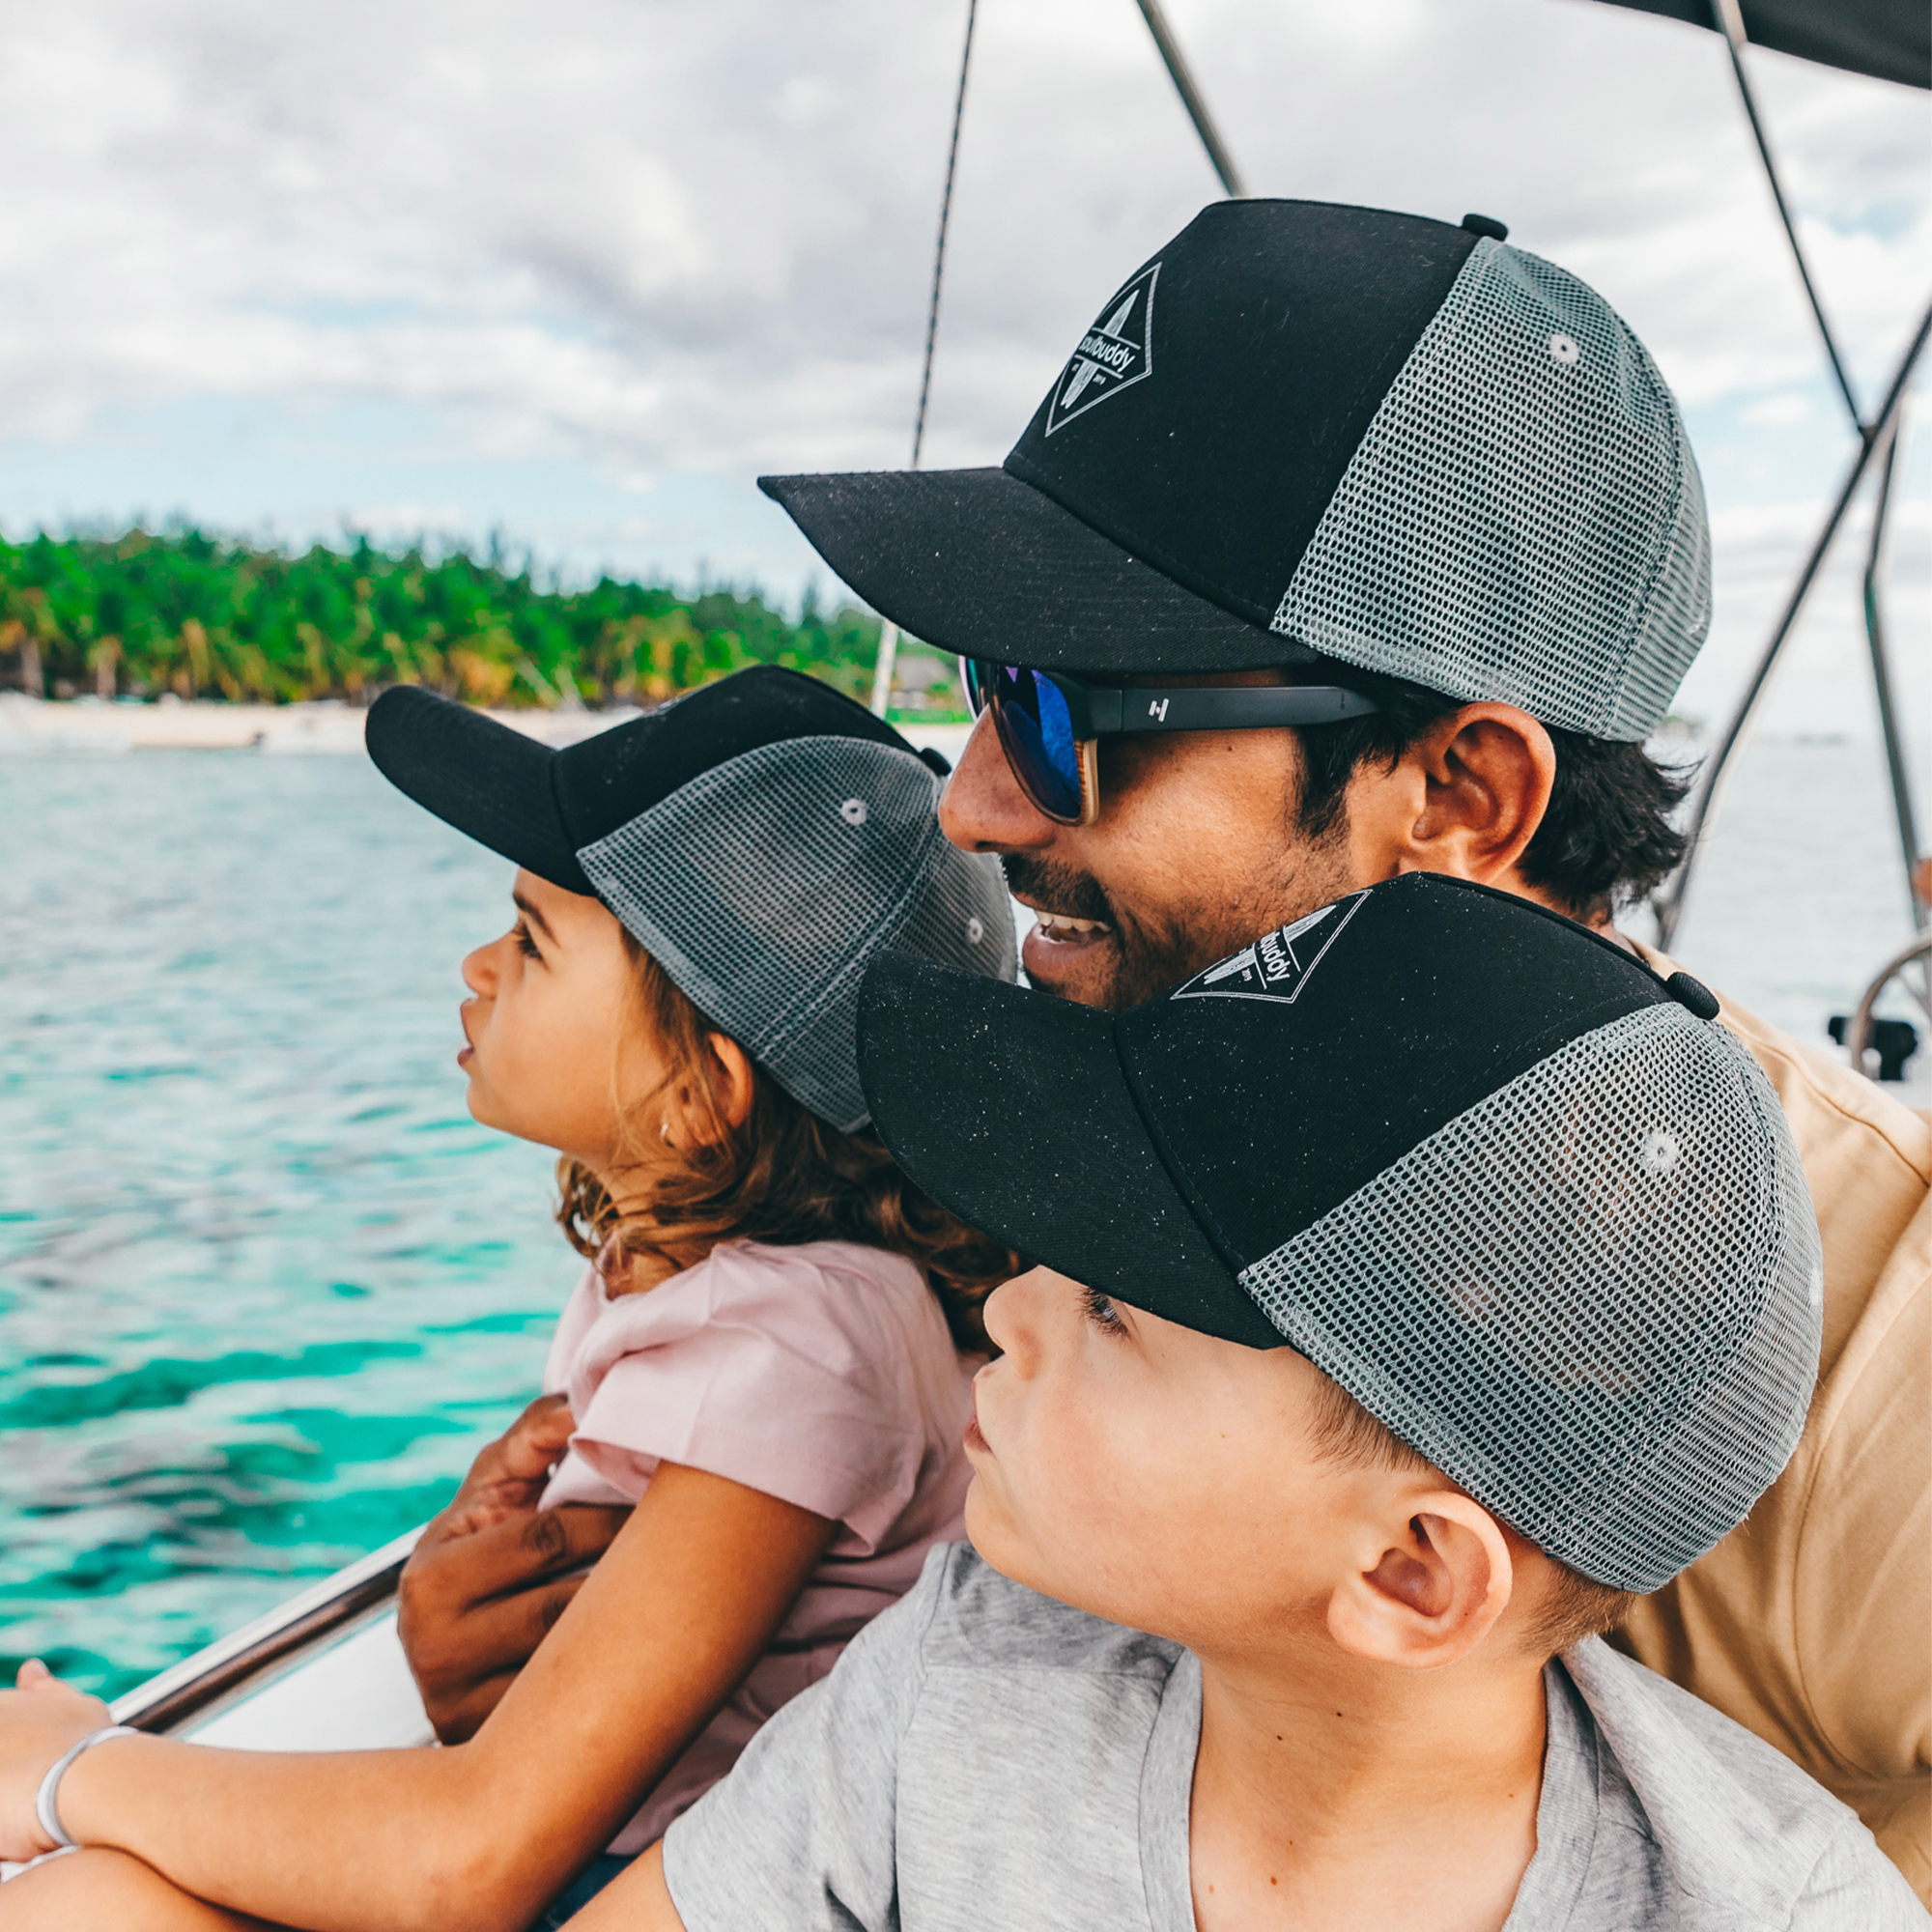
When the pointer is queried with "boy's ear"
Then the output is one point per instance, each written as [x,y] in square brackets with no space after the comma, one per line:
[1436,1590]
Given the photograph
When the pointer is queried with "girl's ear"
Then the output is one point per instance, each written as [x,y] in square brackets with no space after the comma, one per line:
[1435,1591]
[736,1086]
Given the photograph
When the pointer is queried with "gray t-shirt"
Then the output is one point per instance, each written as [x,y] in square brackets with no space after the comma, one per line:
[983,1756]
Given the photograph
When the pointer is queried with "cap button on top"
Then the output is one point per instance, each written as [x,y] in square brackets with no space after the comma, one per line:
[1693,995]
[1487,224]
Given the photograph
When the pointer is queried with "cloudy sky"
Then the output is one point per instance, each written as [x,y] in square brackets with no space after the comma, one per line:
[578,271]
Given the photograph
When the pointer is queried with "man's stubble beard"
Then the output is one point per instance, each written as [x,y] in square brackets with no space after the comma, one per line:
[1151,951]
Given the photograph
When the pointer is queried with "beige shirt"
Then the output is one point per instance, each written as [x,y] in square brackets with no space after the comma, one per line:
[1812,1623]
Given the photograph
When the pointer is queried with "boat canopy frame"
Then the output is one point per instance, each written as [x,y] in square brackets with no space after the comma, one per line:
[1887,41]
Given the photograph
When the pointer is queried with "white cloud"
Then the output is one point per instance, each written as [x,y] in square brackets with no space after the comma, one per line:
[1777,411]
[470,254]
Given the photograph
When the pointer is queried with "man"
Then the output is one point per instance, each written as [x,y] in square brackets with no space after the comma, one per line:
[1309,461]
[1367,457]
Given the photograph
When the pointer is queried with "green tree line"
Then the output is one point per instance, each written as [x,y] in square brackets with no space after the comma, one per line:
[206,616]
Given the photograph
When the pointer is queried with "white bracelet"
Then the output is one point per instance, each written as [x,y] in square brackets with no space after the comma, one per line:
[44,1808]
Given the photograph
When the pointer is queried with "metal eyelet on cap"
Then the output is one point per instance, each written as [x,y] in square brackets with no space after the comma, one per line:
[1660,1151]
[853,811]
[975,932]
[1563,348]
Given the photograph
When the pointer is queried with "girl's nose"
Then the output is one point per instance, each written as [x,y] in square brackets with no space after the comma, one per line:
[480,971]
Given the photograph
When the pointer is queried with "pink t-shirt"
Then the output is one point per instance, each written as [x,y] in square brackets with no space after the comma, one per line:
[823,1374]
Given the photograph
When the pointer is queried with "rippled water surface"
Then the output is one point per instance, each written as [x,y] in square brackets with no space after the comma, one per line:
[263,1281]
[265,1285]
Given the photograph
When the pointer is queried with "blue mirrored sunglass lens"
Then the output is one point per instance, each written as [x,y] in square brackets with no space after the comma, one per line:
[1038,731]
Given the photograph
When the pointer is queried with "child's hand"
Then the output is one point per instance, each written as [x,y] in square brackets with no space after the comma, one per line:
[39,1722]
[490,1577]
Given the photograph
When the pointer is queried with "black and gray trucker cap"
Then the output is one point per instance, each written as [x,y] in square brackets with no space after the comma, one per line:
[1526,1202]
[761,837]
[1302,428]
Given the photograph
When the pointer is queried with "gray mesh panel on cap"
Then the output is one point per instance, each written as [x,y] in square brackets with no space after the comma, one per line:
[1594,1299]
[765,885]
[1524,520]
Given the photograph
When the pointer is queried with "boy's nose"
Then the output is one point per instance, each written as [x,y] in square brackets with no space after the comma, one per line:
[1010,1314]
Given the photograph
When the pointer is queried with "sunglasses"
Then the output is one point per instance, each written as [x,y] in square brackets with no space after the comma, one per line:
[1050,724]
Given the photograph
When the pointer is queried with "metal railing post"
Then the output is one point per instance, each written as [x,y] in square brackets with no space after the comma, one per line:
[1887,713]
[1667,902]
[1668,905]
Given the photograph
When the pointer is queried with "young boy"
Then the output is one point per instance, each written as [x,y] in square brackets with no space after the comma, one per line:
[1418,1285]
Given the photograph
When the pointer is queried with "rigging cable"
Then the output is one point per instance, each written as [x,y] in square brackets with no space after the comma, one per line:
[889,633]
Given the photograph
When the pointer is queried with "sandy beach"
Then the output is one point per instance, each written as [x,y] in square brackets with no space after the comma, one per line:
[31,725]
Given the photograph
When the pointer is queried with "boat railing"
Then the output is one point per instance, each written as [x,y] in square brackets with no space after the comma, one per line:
[240,1662]
[1859,1035]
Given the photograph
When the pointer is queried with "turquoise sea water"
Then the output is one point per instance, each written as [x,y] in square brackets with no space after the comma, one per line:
[263,1282]
[264,1287]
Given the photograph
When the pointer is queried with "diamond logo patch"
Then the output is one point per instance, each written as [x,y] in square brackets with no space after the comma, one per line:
[1277,965]
[1114,355]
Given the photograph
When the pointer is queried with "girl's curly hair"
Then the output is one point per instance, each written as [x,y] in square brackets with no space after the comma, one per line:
[783,1177]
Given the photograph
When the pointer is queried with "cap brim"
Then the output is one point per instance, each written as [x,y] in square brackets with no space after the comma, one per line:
[1012,1109]
[490,781]
[978,562]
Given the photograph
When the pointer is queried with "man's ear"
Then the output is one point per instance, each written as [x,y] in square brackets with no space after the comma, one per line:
[1465,798]
[1434,1592]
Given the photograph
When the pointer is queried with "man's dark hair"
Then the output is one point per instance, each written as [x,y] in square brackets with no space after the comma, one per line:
[1606,839]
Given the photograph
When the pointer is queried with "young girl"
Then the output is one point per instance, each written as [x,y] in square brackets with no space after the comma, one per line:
[762,1359]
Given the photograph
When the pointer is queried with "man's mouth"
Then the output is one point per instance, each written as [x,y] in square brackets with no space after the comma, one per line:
[1064,929]
[1071,919]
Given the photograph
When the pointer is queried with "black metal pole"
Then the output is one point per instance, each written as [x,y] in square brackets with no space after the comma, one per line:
[1887,716]
[1731,24]
[1222,163]
[1669,903]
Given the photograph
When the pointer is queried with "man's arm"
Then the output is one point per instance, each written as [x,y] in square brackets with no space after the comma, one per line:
[494,1572]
